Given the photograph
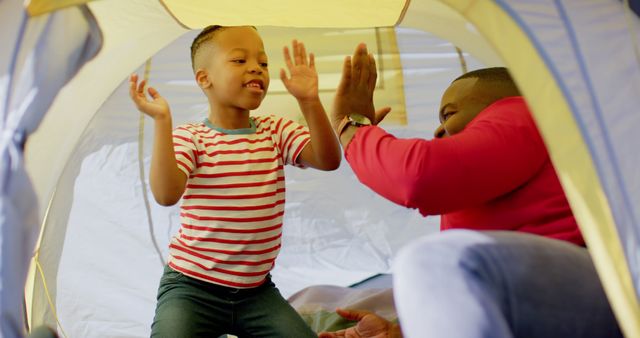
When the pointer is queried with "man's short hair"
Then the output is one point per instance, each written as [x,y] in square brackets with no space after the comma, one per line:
[498,75]
[203,37]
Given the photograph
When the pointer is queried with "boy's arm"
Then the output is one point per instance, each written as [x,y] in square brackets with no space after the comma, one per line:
[167,181]
[323,150]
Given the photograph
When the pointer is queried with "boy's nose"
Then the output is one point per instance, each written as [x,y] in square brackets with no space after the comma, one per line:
[255,67]
[440,132]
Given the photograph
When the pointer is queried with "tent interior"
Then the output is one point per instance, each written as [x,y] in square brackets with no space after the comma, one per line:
[103,240]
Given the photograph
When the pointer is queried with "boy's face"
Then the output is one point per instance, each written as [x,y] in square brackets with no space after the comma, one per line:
[235,69]
[460,104]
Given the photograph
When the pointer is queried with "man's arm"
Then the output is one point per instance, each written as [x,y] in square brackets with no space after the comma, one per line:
[323,150]
[489,158]
[494,155]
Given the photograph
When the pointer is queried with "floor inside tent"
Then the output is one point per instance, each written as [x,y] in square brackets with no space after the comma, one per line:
[336,231]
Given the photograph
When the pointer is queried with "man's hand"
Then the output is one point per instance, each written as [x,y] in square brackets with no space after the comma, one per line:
[369,325]
[303,83]
[355,91]
[157,108]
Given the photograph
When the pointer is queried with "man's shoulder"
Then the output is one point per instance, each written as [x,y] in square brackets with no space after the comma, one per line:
[510,110]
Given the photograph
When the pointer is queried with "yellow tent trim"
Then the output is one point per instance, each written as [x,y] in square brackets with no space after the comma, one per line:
[568,152]
[38,7]
[195,14]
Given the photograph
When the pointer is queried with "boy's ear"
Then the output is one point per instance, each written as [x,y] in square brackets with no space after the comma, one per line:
[202,78]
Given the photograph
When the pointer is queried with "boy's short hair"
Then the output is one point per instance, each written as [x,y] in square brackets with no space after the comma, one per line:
[204,36]
[499,75]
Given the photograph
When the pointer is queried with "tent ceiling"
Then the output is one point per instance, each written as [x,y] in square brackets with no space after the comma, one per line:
[38,7]
[352,13]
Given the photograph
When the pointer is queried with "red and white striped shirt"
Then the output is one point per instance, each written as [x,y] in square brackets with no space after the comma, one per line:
[232,208]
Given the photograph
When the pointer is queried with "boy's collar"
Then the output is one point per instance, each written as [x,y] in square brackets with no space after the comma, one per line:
[242,131]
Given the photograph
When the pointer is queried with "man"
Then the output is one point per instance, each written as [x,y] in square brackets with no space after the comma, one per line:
[527,273]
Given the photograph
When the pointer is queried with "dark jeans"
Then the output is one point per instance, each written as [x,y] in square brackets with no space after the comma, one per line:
[188,307]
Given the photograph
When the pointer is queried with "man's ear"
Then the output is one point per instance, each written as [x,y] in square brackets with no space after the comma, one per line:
[202,78]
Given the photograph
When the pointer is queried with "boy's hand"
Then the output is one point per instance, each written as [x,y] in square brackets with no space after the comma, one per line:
[157,108]
[303,83]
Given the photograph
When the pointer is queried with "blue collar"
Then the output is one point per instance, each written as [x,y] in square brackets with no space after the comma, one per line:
[241,131]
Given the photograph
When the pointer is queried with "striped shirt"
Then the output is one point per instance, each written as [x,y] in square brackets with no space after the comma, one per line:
[232,209]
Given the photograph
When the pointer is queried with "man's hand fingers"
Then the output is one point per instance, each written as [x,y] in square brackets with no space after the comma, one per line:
[354,315]
[373,72]
[358,63]
[345,80]
[365,72]
[337,334]
[381,114]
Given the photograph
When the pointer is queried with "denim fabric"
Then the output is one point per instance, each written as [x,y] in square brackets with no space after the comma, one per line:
[188,307]
[463,284]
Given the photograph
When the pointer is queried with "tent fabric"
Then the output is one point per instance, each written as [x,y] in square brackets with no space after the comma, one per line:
[556,51]
[576,61]
[302,13]
[43,55]
[39,7]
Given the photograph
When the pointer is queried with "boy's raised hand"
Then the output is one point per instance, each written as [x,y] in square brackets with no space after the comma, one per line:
[156,108]
[303,83]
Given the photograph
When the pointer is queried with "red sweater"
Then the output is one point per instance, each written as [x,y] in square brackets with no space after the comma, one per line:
[494,175]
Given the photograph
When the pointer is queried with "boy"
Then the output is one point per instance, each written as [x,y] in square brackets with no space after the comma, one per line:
[228,170]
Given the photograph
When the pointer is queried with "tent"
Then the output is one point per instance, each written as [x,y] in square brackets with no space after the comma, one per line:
[80,184]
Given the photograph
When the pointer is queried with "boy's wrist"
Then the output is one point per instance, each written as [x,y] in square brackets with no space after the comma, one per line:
[310,106]
[162,120]
[308,100]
